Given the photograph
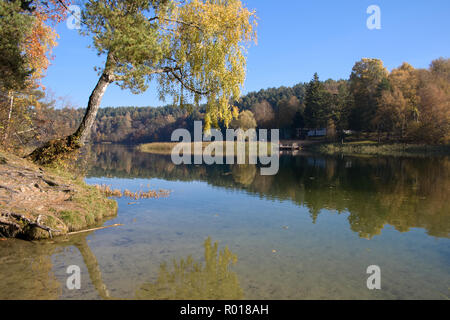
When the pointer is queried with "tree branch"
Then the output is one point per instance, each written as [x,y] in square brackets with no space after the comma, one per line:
[188,24]
[187,86]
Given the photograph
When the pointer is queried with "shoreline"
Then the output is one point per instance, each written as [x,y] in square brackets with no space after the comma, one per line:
[351,148]
[38,202]
[165,148]
[371,148]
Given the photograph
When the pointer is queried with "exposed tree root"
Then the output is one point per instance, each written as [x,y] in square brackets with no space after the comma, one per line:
[34,201]
[17,226]
[55,150]
[9,229]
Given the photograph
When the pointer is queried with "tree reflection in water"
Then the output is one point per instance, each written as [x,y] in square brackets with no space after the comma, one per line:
[194,280]
[31,275]
[375,191]
[27,271]
[184,279]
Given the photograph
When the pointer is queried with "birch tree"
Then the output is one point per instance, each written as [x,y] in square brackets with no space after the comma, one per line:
[192,50]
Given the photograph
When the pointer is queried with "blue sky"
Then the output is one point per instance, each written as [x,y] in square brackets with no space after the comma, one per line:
[295,39]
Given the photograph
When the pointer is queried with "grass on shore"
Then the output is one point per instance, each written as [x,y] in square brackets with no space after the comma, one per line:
[368,147]
[90,205]
[116,193]
[165,148]
[50,195]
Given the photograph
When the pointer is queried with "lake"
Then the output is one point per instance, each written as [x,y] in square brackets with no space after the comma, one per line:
[310,232]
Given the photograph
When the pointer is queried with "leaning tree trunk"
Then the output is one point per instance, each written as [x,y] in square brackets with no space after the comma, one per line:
[55,149]
[8,124]
[91,112]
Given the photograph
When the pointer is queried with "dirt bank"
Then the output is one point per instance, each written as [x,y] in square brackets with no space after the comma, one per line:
[41,202]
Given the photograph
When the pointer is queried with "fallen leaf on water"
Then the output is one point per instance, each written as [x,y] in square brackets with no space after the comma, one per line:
[3,239]
[274,251]
[130,203]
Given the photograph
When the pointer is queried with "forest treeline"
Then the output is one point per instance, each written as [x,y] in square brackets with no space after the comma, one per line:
[407,105]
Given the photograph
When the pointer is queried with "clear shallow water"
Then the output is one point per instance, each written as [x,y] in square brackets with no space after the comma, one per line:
[308,233]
